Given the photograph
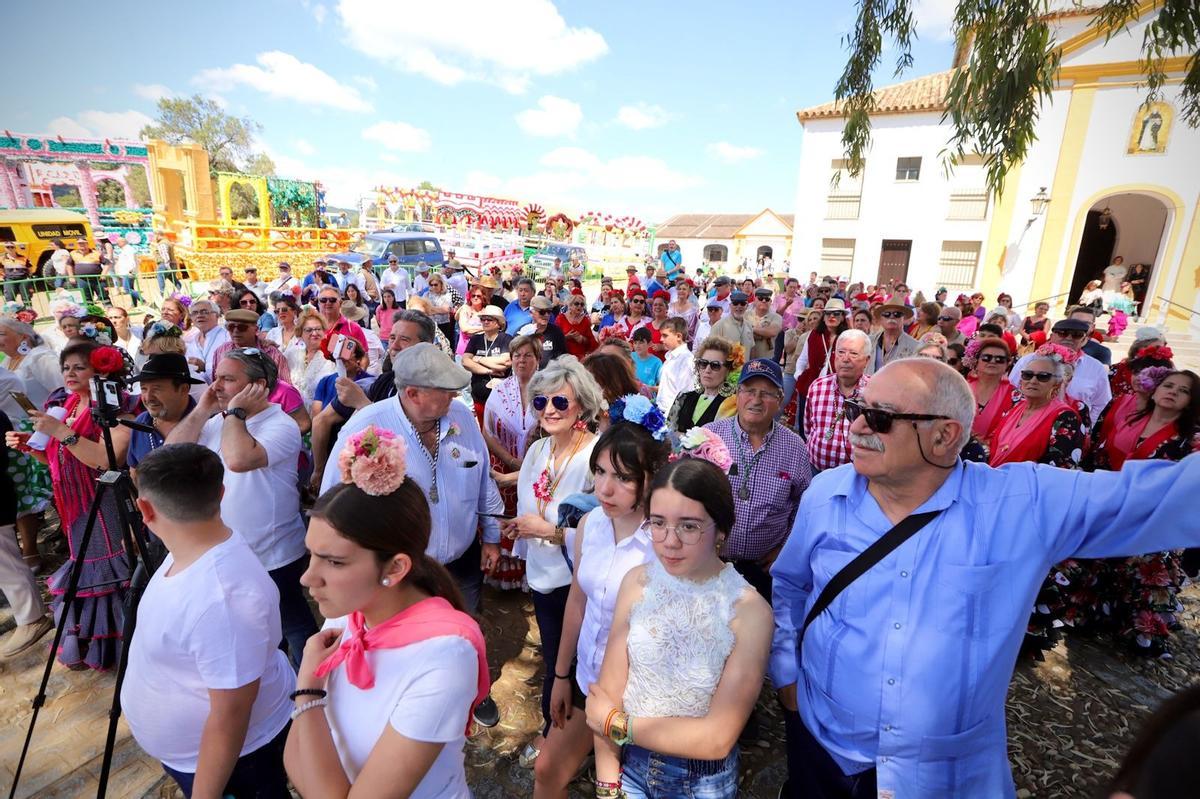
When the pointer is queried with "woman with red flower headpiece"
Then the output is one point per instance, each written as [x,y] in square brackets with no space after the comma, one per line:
[1135,599]
[76,455]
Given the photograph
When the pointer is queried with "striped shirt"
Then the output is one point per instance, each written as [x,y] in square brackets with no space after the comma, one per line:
[767,484]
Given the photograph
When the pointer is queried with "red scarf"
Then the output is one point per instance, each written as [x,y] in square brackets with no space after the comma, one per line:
[1118,433]
[985,420]
[429,618]
[1027,443]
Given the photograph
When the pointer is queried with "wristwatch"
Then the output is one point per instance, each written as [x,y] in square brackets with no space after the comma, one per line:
[71,440]
[238,412]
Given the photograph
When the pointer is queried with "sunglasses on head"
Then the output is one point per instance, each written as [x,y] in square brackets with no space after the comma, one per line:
[703,364]
[988,358]
[879,420]
[560,402]
[1042,377]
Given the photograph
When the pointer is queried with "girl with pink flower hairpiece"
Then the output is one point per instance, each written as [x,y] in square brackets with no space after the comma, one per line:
[385,691]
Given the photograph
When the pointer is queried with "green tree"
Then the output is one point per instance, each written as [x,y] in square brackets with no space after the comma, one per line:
[994,98]
[226,139]
[260,164]
[425,185]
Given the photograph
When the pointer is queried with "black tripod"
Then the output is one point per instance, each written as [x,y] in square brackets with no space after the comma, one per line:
[143,557]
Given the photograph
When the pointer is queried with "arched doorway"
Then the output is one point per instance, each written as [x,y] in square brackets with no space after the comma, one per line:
[1130,225]
[716,253]
[764,252]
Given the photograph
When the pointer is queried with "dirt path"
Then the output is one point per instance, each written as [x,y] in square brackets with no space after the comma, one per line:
[1070,718]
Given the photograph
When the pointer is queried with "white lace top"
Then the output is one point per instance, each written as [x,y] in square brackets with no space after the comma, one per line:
[679,639]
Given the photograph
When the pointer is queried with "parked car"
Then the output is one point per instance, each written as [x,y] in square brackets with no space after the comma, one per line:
[409,247]
[543,260]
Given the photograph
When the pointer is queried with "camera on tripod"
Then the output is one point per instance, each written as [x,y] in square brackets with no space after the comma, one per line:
[106,396]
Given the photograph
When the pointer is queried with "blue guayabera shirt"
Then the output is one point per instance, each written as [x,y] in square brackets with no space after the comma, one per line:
[908,669]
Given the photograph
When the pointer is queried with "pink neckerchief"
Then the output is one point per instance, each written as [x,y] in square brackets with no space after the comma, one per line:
[429,618]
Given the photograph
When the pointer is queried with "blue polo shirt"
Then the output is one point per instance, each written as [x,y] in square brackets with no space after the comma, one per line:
[142,443]
[517,317]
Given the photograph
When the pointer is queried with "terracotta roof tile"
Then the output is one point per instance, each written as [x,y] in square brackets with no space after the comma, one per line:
[708,226]
[926,93]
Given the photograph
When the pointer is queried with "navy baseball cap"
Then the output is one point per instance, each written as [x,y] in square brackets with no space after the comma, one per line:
[739,296]
[762,367]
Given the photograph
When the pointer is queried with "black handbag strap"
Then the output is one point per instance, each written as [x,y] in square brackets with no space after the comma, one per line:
[885,545]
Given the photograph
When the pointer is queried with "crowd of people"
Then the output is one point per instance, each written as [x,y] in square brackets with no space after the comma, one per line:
[691,475]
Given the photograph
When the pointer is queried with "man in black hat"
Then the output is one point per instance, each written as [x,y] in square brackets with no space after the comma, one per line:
[1089,384]
[165,381]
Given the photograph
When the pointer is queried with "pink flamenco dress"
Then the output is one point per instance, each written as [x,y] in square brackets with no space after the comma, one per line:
[95,620]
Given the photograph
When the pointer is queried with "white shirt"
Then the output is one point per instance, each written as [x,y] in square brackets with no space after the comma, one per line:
[423,691]
[126,261]
[11,381]
[263,505]
[260,290]
[458,282]
[464,481]
[213,625]
[603,564]
[283,285]
[396,280]
[420,284]
[344,279]
[676,376]
[545,566]
[58,262]
[1089,385]
[205,350]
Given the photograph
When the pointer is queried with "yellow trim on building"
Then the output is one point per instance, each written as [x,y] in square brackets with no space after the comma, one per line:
[1118,69]
[1062,190]
[1187,281]
[1162,266]
[995,251]
[1094,32]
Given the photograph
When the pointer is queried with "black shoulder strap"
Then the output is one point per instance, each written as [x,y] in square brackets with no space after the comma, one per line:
[887,543]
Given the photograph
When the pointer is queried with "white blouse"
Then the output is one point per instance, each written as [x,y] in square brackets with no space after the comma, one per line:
[545,566]
[603,564]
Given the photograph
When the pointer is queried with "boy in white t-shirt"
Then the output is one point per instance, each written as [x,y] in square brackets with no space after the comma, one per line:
[208,689]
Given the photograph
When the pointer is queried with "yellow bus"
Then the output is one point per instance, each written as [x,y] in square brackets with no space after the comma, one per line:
[34,228]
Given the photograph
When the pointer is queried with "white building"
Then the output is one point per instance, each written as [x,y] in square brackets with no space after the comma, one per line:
[728,240]
[1098,149]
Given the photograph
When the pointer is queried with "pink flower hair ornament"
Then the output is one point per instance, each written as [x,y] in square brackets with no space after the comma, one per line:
[704,444]
[1066,354]
[375,460]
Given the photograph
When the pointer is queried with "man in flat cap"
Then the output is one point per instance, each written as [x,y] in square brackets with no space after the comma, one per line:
[447,457]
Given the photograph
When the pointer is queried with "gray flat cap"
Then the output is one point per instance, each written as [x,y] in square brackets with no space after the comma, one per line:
[425,366]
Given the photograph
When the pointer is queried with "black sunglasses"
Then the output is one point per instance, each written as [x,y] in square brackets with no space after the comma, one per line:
[328,300]
[558,400]
[738,302]
[703,364]
[1042,377]
[880,421]
[994,358]
[947,319]
[1072,333]
[892,314]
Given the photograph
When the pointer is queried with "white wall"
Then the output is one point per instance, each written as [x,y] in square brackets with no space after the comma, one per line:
[889,209]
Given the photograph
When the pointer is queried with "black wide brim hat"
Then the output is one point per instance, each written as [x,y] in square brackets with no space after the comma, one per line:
[167,366]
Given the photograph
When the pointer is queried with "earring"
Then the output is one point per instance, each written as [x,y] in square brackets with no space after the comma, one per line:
[385,582]
[580,425]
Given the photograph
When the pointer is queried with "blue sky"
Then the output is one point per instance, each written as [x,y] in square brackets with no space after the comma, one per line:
[647,108]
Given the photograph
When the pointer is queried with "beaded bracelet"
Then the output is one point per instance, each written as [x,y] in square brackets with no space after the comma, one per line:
[608,721]
[317,692]
[322,702]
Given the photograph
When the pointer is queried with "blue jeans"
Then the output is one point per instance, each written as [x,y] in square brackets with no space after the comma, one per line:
[129,283]
[789,388]
[647,775]
[257,775]
[163,272]
[294,614]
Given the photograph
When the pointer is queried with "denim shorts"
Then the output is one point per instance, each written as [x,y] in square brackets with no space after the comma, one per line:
[647,775]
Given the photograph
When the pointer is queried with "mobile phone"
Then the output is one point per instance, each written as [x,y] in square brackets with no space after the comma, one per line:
[336,351]
[23,401]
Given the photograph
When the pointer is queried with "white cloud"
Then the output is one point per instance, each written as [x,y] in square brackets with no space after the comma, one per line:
[935,19]
[399,136]
[152,91]
[507,44]
[732,153]
[282,75]
[553,116]
[319,12]
[304,147]
[344,186]
[576,179]
[642,116]
[101,125]
[367,82]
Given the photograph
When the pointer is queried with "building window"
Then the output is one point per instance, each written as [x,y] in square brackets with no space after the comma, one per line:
[845,192]
[837,256]
[908,169]
[958,264]
[968,204]
[716,253]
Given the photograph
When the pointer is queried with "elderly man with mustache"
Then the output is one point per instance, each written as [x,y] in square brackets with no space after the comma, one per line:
[893,670]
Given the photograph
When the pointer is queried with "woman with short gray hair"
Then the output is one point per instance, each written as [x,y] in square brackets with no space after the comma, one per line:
[566,401]
[1042,427]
